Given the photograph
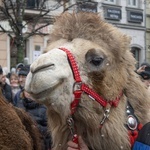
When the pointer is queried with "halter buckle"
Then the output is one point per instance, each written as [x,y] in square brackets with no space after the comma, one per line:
[70,123]
[77,86]
[105,116]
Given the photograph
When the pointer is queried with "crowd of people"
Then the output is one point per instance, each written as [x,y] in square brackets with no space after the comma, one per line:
[12,86]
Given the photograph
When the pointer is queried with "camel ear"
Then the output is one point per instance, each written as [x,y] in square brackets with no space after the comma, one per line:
[143,139]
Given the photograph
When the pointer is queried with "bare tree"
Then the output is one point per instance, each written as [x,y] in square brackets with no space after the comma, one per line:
[15,13]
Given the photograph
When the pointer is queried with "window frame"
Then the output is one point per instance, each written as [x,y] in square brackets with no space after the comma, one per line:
[131,5]
[109,2]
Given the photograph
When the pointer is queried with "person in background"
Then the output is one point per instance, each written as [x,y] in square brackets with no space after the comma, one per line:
[5,72]
[144,72]
[22,74]
[145,76]
[13,70]
[37,111]
[5,87]
[142,67]
[14,83]
[18,67]
[143,140]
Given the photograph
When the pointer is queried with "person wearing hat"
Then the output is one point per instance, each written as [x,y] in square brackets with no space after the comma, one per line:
[18,67]
[5,87]
[145,76]
[143,140]
[142,67]
[22,74]
[37,111]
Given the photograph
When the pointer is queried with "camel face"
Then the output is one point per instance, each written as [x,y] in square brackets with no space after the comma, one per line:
[51,75]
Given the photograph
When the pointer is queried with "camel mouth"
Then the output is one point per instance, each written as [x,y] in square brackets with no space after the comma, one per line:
[45,93]
[40,95]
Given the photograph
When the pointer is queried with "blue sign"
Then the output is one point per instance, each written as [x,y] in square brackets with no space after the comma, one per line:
[135,16]
[112,13]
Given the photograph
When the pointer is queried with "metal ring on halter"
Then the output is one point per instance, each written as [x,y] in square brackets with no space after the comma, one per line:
[77,86]
[105,116]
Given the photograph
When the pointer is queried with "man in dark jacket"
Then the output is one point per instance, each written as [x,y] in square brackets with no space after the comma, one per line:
[5,87]
[37,111]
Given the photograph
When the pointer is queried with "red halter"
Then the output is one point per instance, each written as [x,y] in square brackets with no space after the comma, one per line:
[80,87]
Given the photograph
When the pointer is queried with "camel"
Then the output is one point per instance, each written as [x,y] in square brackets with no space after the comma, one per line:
[87,80]
[17,129]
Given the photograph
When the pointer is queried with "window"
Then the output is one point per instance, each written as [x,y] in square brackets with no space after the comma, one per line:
[136,54]
[33,3]
[87,6]
[133,3]
[110,1]
[36,52]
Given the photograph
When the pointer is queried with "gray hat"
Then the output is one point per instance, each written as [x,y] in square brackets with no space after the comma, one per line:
[20,65]
[24,70]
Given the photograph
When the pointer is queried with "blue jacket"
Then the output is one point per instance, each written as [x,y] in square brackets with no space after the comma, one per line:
[140,146]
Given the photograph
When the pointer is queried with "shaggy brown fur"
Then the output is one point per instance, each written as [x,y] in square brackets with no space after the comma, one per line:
[108,82]
[17,130]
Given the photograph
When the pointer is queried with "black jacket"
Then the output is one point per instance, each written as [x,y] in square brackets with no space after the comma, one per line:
[7,92]
[38,113]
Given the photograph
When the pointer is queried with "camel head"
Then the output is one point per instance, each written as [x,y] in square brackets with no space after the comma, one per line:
[102,60]
[100,50]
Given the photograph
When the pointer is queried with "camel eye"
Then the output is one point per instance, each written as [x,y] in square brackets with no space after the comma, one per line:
[97,61]
[94,57]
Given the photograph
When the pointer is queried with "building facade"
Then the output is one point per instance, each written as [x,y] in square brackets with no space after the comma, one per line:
[128,15]
[147,30]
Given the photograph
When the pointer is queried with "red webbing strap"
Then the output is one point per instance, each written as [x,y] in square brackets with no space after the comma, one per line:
[84,87]
[73,64]
[93,94]
[134,134]
[77,93]
[98,98]
[74,104]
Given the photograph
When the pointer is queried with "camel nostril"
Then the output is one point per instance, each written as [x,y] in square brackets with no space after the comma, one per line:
[42,67]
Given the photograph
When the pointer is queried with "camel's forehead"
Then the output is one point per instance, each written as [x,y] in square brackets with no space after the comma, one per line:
[78,46]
